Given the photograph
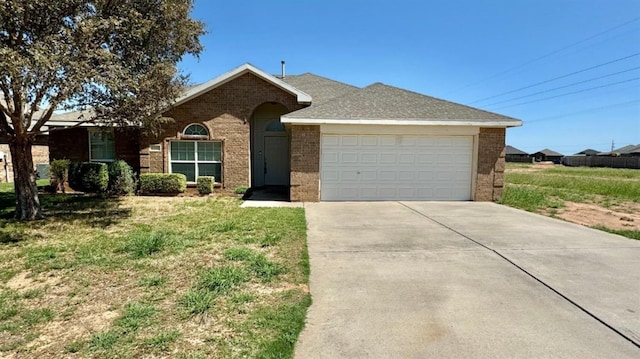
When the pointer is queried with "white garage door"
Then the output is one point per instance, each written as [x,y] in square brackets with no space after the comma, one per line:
[395,167]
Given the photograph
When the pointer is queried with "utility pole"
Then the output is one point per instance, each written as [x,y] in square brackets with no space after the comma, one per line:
[612,145]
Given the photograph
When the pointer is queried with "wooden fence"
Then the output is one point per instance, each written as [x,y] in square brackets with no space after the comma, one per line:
[602,161]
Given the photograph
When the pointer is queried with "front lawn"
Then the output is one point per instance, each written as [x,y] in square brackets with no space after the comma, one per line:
[151,277]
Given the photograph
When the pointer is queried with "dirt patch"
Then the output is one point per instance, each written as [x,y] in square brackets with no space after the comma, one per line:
[625,216]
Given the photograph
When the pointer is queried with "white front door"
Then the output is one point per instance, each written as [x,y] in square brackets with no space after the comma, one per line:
[396,167]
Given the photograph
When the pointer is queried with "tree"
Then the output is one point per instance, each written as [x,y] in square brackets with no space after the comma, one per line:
[116,59]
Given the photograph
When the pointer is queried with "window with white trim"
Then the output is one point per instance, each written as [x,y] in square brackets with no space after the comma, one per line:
[102,146]
[196,130]
[196,158]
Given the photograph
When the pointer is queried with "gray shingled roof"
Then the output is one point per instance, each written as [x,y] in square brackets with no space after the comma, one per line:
[587,152]
[320,88]
[380,101]
[510,150]
[548,152]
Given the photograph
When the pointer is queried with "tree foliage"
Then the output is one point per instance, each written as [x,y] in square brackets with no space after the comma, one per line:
[116,58]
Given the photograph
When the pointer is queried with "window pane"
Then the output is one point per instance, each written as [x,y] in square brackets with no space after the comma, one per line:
[102,145]
[275,126]
[205,151]
[188,169]
[210,169]
[196,130]
[182,151]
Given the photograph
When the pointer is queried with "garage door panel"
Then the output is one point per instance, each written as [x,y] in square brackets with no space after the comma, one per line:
[388,158]
[330,140]
[396,167]
[386,175]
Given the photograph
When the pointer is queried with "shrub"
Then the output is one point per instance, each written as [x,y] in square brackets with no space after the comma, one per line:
[205,184]
[171,183]
[59,173]
[241,190]
[121,179]
[89,177]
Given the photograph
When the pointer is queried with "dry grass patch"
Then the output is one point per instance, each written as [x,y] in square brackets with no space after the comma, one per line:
[152,277]
[602,198]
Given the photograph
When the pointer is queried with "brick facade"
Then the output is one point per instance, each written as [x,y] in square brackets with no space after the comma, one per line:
[70,144]
[305,163]
[491,163]
[226,112]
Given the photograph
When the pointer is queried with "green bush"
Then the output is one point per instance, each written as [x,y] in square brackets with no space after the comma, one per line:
[90,177]
[59,173]
[205,184]
[121,179]
[241,190]
[171,183]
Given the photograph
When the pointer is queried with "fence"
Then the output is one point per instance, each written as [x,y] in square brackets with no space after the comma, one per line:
[518,159]
[602,161]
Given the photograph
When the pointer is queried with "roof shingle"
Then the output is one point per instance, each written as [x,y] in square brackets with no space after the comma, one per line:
[384,102]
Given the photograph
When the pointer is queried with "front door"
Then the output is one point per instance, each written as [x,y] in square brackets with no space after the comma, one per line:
[276,160]
[269,147]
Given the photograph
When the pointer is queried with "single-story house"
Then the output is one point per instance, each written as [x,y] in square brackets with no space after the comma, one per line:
[587,152]
[548,155]
[625,151]
[323,139]
[513,154]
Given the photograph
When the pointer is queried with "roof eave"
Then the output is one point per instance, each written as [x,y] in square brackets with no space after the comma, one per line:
[401,122]
[302,97]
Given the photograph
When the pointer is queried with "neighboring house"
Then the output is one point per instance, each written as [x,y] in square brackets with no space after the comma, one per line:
[513,154]
[323,139]
[39,153]
[625,151]
[548,155]
[587,152]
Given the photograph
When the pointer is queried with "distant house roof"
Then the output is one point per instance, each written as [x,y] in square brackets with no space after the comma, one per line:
[387,105]
[625,150]
[548,152]
[587,152]
[510,150]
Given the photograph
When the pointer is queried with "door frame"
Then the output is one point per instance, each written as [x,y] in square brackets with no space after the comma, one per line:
[261,118]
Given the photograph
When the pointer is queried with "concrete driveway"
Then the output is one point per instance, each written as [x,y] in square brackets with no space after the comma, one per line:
[466,280]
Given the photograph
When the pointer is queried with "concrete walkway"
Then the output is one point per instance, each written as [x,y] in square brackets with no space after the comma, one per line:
[466,280]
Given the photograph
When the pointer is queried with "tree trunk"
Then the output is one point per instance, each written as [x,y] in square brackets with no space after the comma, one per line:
[27,201]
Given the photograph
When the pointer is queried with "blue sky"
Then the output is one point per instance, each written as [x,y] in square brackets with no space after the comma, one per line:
[490,54]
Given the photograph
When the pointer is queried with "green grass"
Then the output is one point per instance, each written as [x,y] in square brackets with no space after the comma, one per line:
[170,277]
[625,233]
[546,190]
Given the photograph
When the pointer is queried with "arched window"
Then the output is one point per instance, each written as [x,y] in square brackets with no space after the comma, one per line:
[195,131]
[275,126]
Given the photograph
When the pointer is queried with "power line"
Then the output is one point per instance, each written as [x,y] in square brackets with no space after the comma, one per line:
[571,93]
[558,78]
[561,87]
[546,55]
[621,104]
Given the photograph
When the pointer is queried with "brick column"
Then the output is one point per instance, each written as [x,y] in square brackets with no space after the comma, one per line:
[490,180]
[305,163]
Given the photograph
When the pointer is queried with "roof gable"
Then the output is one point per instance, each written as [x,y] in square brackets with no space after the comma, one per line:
[510,150]
[548,152]
[384,104]
[198,90]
